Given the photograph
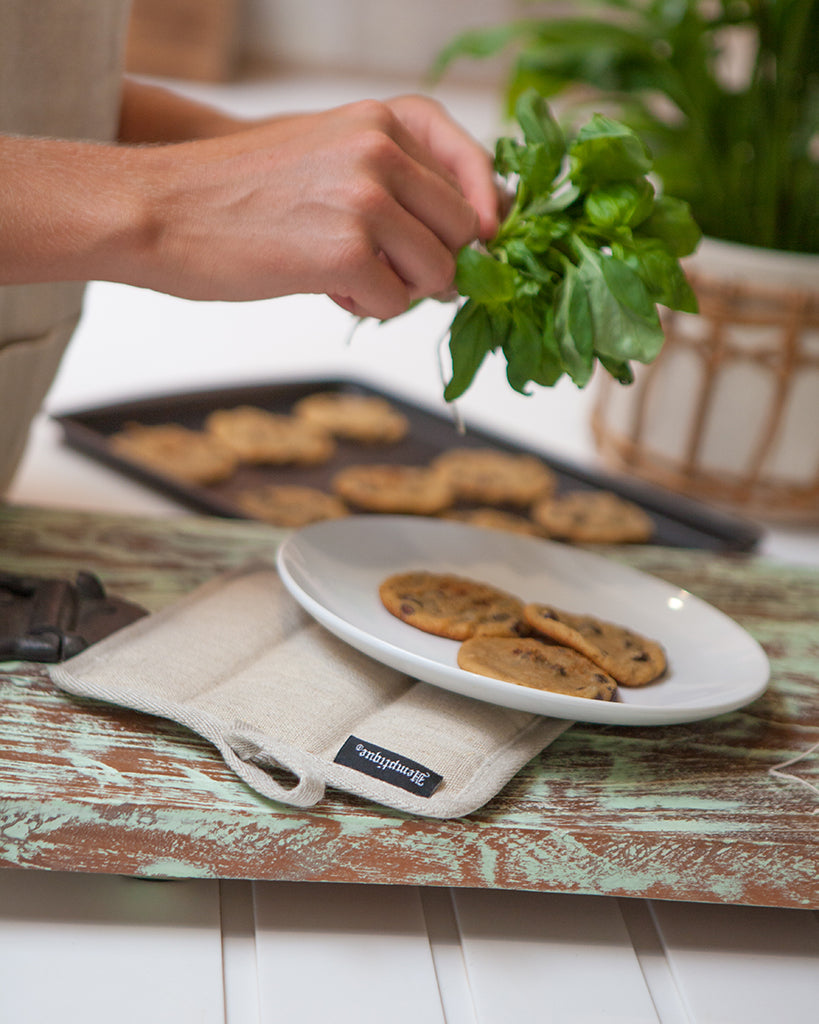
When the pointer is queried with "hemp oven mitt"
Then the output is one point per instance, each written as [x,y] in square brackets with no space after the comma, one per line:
[241,664]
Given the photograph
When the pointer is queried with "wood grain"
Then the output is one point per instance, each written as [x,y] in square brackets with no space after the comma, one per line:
[686,812]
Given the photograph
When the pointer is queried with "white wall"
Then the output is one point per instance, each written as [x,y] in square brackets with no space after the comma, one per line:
[397,37]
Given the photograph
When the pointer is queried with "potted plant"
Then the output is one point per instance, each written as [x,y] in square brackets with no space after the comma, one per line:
[726,95]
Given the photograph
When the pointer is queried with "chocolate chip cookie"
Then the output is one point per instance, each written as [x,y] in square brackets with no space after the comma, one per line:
[289,505]
[451,606]
[589,517]
[495,519]
[489,477]
[415,490]
[259,436]
[540,666]
[631,659]
[189,456]
[365,418]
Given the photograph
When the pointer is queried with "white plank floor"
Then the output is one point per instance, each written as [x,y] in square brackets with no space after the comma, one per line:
[97,949]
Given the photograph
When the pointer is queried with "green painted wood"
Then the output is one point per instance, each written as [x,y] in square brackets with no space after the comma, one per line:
[685,812]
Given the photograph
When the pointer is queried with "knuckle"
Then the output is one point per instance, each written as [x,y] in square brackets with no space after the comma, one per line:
[368,200]
[376,114]
[377,149]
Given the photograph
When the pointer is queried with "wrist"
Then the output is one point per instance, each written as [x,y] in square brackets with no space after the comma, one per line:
[71,211]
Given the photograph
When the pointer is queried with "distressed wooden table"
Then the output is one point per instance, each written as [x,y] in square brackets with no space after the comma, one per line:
[687,812]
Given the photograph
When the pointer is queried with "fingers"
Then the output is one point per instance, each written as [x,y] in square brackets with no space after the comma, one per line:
[407,215]
[374,289]
[469,163]
[436,202]
[419,218]
[416,255]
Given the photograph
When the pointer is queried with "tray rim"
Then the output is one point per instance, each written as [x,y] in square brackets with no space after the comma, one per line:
[734,533]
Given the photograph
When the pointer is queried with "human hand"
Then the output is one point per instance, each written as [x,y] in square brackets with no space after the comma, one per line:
[368,203]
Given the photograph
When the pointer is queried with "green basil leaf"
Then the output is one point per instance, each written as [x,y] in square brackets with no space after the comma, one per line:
[542,231]
[606,150]
[537,121]
[560,199]
[500,323]
[541,131]
[662,274]
[626,324]
[573,327]
[507,156]
[672,222]
[580,262]
[628,288]
[617,203]
[530,352]
[471,338]
[621,372]
[537,168]
[521,256]
[483,278]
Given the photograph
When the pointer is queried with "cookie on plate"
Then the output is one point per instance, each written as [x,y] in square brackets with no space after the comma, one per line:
[540,666]
[495,519]
[415,490]
[632,659]
[451,606]
[175,451]
[489,477]
[592,517]
[259,436]
[289,505]
[365,418]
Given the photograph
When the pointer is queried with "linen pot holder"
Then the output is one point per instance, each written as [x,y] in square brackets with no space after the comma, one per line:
[241,664]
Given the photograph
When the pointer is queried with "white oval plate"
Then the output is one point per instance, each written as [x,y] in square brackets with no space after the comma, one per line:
[334,568]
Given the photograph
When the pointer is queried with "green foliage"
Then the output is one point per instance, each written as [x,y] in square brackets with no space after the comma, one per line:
[742,150]
[580,262]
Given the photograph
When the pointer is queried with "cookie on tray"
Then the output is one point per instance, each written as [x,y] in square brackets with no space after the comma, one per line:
[451,606]
[366,418]
[529,662]
[489,477]
[632,659]
[495,519]
[415,490]
[259,436]
[592,517]
[189,456]
[289,505]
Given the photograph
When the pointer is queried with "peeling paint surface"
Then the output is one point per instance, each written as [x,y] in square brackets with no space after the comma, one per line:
[685,812]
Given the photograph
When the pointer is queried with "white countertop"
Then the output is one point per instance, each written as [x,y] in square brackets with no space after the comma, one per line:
[245,953]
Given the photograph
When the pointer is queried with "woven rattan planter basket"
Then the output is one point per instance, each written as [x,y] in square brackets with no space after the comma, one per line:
[729,412]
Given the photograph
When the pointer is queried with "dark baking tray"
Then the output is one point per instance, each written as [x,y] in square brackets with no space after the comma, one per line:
[679,522]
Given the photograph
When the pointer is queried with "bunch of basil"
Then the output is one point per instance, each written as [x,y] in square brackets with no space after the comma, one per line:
[580,262]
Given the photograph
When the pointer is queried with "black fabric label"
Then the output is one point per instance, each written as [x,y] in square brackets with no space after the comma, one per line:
[387,765]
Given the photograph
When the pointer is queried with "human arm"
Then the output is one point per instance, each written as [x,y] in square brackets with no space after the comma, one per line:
[368,203]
